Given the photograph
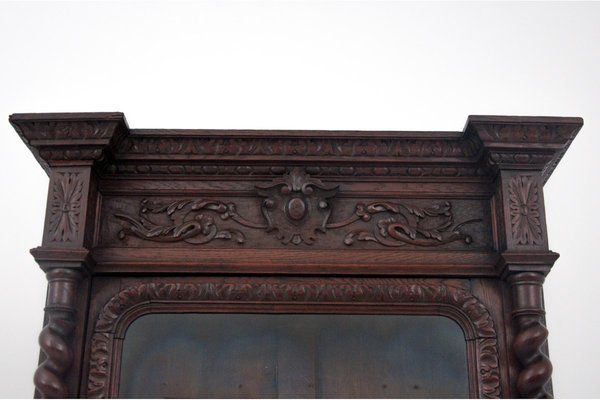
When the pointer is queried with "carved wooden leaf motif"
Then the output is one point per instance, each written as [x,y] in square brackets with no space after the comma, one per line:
[246,170]
[68,129]
[185,220]
[313,147]
[523,194]
[65,207]
[405,224]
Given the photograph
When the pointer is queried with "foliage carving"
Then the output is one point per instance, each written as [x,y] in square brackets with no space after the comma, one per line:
[296,207]
[65,207]
[523,194]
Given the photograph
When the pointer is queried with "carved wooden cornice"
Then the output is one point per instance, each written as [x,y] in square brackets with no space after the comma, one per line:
[486,144]
[524,143]
[59,139]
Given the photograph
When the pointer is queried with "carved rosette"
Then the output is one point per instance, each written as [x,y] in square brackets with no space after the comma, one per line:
[523,195]
[65,207]
[451,295]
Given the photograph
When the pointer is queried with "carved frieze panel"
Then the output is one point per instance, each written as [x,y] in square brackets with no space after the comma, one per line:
[447,297]
[296,210]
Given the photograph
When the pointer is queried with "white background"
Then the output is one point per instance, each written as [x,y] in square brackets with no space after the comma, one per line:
[306,65]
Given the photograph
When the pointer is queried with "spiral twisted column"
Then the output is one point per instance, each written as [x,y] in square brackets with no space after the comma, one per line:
[528,314]
[57,335]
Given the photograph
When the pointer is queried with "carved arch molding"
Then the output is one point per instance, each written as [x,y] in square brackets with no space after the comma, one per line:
[451,298]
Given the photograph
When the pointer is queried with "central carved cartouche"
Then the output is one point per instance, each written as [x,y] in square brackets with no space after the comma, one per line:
[296,207]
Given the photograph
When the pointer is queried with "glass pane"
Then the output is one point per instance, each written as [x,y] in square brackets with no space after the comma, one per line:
[293,356]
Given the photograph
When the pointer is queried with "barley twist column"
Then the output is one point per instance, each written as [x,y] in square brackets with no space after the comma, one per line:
[528,313]
[56,337]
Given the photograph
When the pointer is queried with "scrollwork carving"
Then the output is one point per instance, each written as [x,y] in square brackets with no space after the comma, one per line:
[447,293]
[188,222]
[296,207]
[431,226]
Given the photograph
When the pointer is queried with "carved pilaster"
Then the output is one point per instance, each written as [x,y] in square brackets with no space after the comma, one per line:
[70,147]
[524,263]
[528,314]
[64,258]
[57,335]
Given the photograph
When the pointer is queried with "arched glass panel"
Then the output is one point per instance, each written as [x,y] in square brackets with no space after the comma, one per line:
[293,356]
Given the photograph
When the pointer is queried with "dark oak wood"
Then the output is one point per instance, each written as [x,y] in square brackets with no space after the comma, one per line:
[147,221]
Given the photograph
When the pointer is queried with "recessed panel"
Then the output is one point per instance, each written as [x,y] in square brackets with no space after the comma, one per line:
[293,356]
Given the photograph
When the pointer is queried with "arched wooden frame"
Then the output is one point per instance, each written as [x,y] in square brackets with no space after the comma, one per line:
[448,298]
